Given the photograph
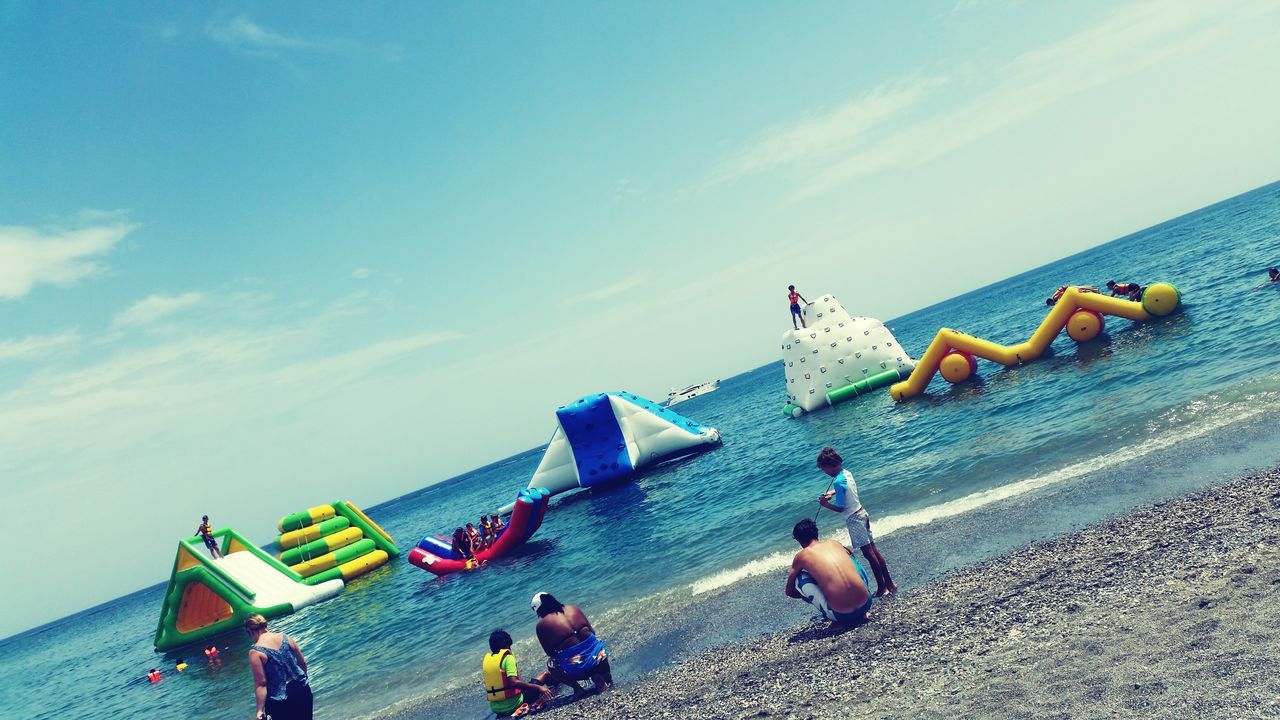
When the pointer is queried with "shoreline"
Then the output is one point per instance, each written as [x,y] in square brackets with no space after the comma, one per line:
[1167,609]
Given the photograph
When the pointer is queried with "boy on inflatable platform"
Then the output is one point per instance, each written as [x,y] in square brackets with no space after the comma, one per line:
[796,313]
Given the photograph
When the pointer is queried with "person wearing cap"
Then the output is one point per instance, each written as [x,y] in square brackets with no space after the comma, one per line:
[574,652]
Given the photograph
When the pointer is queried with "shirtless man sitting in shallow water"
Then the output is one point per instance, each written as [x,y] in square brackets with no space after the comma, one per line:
[828,563]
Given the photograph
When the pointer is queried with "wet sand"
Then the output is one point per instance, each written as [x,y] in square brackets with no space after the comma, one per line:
[1171,610]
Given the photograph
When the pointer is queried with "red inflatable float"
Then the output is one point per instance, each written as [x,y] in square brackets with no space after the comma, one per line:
[434,553]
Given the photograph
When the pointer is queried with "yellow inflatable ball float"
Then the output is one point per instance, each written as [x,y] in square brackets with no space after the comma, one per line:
[957,366]
[1085,325]
[1160,299]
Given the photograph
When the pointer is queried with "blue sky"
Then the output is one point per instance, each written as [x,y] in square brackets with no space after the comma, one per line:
[258,256]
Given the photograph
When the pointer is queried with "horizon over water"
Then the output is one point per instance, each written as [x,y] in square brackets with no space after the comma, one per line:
[691,554]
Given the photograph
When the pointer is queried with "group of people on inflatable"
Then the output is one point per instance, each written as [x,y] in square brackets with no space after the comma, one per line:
[574,655]
[467,542]
[1130,290]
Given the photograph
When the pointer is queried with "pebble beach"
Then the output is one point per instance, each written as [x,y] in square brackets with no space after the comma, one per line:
[1170,610]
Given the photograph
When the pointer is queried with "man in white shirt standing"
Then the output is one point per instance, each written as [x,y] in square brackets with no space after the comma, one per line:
[843,498]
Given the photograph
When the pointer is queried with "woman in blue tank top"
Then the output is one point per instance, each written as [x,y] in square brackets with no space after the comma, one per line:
[279,673]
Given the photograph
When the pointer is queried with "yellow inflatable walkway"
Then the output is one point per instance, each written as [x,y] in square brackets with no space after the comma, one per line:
[952,352]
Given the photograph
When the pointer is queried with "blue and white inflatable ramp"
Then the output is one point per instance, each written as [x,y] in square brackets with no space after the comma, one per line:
[606,437]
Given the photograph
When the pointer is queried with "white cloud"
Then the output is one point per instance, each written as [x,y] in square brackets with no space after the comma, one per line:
[1126,42]
[882,131]
[29,257]
[37,346]
[361,273]
[242,32]
[838,130]
[155,307]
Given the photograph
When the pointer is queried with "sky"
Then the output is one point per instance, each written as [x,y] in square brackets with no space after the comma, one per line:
[259,256]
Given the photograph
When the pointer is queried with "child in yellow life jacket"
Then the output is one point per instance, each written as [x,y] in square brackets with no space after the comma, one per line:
[205,531]
[502,684]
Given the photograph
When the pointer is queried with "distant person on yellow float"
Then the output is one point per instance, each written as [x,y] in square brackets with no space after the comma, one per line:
[503,687]
[1131,290]
[796,312]
[205,531]
[1273,275]
[843,498]
[1057,295]
[180,665]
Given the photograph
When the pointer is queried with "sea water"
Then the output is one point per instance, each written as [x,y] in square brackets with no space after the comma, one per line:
[960,474]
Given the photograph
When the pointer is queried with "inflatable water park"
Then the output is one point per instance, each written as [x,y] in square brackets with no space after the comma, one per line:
[207,597]
[605,438]
[333,541]
[324,548]
[435,553]
[1081,311]
[837,357]
[599,440]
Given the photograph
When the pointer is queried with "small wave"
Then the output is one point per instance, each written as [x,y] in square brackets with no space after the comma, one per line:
[1231,413]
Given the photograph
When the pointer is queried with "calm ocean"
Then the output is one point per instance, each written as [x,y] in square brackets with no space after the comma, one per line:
[690,554]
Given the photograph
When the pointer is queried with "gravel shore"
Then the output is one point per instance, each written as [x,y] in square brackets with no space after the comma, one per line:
[1171,610]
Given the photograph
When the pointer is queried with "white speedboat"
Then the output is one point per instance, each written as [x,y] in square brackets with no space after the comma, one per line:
[678,396]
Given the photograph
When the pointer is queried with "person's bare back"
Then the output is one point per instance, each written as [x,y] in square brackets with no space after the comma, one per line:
[835,571]
[561,630]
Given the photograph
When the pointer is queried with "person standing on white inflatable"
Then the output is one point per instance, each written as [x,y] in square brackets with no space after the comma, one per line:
[796,312]
[843,498]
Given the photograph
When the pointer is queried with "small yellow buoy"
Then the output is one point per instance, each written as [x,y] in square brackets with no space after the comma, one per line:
[1160,299]
[957,366]
[1085,325]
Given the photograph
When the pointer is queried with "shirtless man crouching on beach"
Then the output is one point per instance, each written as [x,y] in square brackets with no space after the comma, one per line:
[843,597]
[574,652]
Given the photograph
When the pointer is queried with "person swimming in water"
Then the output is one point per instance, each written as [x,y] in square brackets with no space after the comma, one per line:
[796,298]
[574,652]
[838,575]
[1273,276]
